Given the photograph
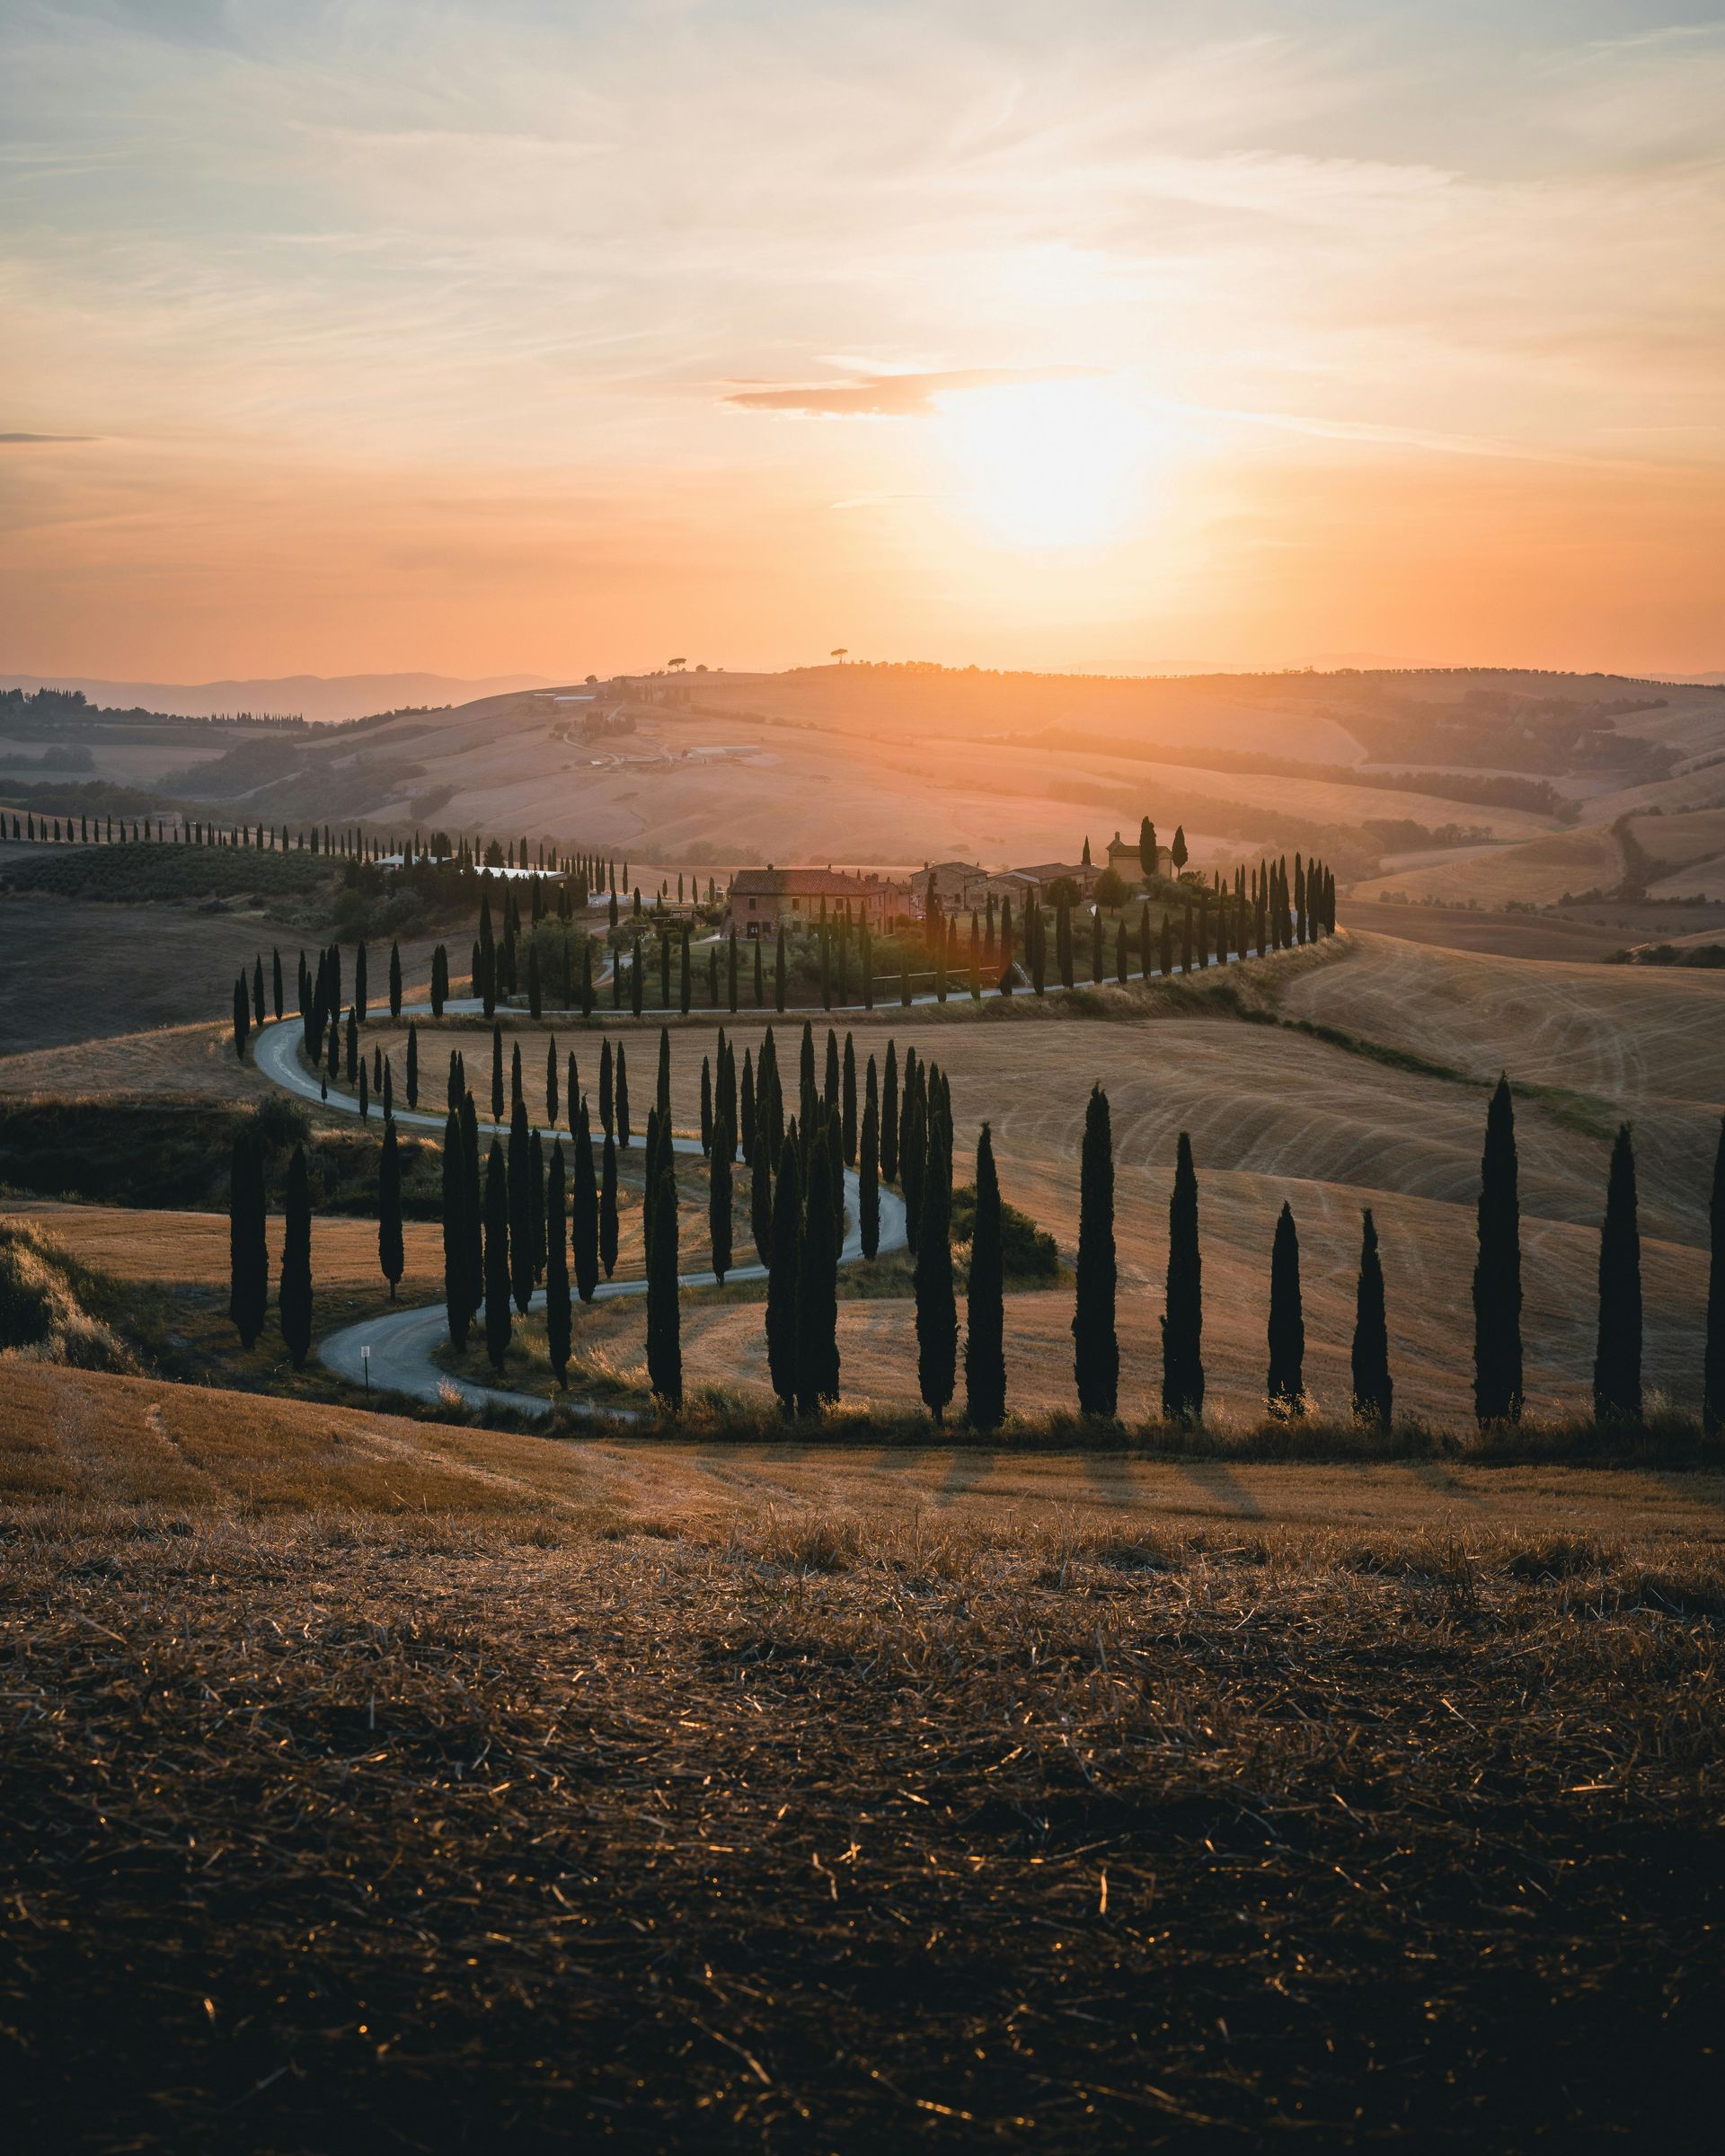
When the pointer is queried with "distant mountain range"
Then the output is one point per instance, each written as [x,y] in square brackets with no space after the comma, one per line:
[316,696]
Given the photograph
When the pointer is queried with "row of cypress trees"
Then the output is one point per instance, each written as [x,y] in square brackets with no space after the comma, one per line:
[249,1254]
[1618,1394]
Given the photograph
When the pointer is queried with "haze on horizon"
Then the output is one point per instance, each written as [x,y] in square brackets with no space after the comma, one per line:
[351,338]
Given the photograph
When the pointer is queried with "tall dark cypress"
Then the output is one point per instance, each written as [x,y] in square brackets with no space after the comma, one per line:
[360,995]
[664,1318]
[913,1148]
[294,1297]
[521,1180]
[1374,1395]
[536,1205]
[241,1016]
[783,1266]
[890,1117]
[572,1100]
[760,1194]
[1713,1364]
[454,1278]
[551,1083]
[392,1256]
[607,1107]
[473,1211]
[622,1099]
[1617,1357]
[1285,1386]
[706,1105]
[1497,1271]
[609,1230]
[984,1358]
[498,1324]
[248,1303]
[718,1184]
[937,1310]
[817,1282]
[1096,1347]
[584,1213]
[1182,1324]
[848,1125]
[868,1171]
[394,980]
[517,1092]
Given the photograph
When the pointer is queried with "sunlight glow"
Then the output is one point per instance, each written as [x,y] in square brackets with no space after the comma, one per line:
[1050,464]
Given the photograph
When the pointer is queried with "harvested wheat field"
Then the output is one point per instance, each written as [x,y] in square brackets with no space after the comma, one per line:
[1538,872]
[812,1802]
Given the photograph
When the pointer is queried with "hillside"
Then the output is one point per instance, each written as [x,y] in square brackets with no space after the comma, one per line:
[1404,775]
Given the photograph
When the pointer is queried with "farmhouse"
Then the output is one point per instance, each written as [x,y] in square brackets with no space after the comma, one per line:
[1123,859]
[760,900]
[1043,873]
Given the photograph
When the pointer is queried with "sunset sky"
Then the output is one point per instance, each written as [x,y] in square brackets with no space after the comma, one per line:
[550,335]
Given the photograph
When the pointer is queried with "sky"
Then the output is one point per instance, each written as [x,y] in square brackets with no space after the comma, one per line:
[559,337]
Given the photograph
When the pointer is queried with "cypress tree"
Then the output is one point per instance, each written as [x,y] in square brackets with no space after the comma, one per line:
[517,1092]
[361,999]
[584,1213]
[1712,1367]
[609,1207]
[498,1322]
[746,1108]
[550,1081]
[241,1016]
[586,976]
[519,1165]
[394,980]
[937,1310]
[1287,1381]
[1096,1350]
[913,1148]
[706,1105]
[718,1191]
[392,1257]
[1617,1360]
[724,1096]
[257,990]
[606,1093]
[783,1264]
[275,982]
[649,1181]
[731,972]
[440,980]
[868,1173]
[248,1303]
[683,978]
[1496,1272]
[294,1297]
[622,1099]
[473,1211]
[664,1321]
[1372,1392]
[985,1359]
[760,1194]
[364,1102]
[848,1103]
[890,1117]
[536,1205]
[817,1284]
[1182,1324]
[454,1278]
[572,1102]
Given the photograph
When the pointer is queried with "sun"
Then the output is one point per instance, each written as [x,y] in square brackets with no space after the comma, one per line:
[1040,465]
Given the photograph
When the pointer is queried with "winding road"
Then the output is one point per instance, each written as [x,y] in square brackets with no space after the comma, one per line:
[403,1341]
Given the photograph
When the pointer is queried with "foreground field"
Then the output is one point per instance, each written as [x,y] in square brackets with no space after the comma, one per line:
[369,1783]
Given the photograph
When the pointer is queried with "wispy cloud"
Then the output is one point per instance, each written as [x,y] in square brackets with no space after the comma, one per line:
[894,396]
[48,437]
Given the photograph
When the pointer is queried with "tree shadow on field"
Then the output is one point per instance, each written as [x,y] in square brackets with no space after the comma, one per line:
[1111,1477]
[1435,1476]
[968,1467]
[1221,1482]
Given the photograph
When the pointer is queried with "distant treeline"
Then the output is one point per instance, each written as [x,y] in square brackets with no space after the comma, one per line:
[60,706]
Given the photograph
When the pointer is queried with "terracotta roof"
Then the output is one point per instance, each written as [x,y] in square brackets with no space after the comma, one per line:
[1045,871]
[803,883]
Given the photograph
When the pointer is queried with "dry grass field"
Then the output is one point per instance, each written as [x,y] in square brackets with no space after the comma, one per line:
[1274,1115]
[1498,935]
[370,1783]
[1538,872]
